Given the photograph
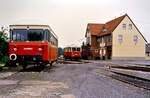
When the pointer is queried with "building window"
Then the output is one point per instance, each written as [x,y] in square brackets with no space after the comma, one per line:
[130,26]
[99,40]
[120,38]
[109,39]
[88,30]
[88,40]
[104,30]
[135,38]
[96,51]
[124,26]
[148,54]
[103,39]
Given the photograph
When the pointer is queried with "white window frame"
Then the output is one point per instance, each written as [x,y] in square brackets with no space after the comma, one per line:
[103,39]
[124,26]
[135,38]
[120,38]
[96,51]
[130,26]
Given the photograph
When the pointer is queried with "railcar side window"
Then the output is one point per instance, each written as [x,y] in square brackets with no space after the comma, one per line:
[53,40]
[69,49]
[46,35]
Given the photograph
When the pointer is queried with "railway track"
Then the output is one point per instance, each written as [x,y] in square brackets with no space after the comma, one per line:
[34,68]
[14,71]
[135,81]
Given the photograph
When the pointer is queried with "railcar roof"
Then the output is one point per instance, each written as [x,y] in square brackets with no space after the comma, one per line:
[72,47]
[30,25]
[17,25]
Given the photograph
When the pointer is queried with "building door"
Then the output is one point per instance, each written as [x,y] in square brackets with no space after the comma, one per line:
[103,54]
[109,51]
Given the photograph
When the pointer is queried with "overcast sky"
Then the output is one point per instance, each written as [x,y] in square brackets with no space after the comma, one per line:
[69,18]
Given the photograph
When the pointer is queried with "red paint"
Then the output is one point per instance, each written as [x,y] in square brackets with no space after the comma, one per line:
[72,54]
[49,52]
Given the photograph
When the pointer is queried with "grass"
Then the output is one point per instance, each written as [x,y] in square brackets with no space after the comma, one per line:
[2,64]
[5,68]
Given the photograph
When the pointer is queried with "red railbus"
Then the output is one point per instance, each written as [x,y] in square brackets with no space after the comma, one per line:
[32,44]
[72,53]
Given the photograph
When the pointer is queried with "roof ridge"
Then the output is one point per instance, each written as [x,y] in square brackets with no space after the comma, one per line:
[96,28]
[96,23]
[116,18]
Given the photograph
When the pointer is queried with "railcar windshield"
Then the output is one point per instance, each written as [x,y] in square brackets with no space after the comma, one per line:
[78,49]
[74,49]
[35,35]
[19,35]
[29,35]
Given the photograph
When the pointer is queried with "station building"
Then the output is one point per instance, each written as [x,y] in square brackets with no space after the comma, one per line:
[118,39]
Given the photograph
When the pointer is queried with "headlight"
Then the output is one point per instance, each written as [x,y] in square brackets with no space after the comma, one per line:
[40,49]
[13,57]
[15,49]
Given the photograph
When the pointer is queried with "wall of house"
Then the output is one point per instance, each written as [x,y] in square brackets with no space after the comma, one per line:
[94,47]
[127,49]
[88,38]
[105,46]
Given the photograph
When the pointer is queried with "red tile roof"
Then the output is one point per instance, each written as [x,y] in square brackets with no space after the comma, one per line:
[97,29]
[111,25]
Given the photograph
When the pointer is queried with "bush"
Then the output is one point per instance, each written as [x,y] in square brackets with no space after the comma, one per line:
[4,59]
[4,46]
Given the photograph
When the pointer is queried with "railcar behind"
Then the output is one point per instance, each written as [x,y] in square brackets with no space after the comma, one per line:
[72,53]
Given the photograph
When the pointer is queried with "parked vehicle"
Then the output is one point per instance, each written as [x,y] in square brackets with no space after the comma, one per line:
[32,44]
[72,53]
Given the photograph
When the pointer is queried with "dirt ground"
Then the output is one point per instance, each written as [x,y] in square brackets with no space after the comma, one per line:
[67,81]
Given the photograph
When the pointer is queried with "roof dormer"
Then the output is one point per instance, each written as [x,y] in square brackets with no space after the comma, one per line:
[104,29]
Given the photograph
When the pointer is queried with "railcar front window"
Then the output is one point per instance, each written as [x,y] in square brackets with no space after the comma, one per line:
[19,35]
[35,35]
[29,35]
[74,49]
[78,49]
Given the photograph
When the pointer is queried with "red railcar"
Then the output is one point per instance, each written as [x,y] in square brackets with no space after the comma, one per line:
[32,43]
[72,53]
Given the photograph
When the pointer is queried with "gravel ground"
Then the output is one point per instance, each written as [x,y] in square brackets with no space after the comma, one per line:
[63,80]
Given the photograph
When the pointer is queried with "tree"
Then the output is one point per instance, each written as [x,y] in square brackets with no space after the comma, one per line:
[4,45]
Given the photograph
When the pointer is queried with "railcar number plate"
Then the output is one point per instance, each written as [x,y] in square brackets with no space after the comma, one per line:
[28,48]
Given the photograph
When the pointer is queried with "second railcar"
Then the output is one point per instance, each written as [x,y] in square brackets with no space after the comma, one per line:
[72,53]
